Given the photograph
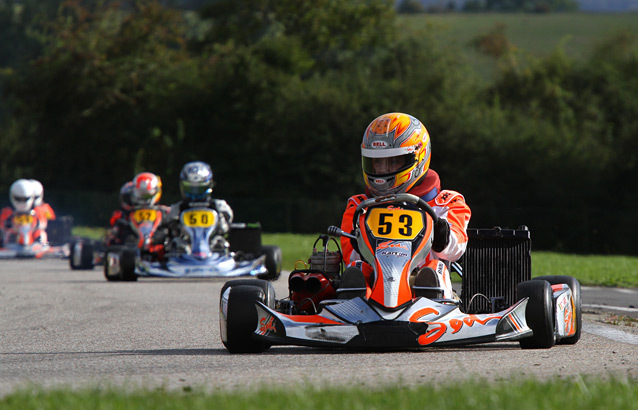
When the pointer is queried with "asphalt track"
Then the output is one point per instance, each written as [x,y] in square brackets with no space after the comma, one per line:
[72,328]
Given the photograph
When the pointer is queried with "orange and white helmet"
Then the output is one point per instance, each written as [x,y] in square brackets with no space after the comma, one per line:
[395,153]
[147,189]
[22,195]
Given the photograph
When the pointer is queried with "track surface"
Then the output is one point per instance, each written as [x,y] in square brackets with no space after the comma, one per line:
[72,328]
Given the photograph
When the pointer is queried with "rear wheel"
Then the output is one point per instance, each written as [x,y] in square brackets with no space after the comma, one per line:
[238,314]
[127,265]
[119,265]
[273,262]
[574,285]
[539,313]
[81,256]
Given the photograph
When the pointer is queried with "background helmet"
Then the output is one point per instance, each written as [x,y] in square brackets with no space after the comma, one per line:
[22,195]
[147,189]
[196,181]
[126,193]
[395,153]
[38,192]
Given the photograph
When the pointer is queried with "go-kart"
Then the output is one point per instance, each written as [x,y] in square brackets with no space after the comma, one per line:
[19,240]
[393,234]
[189,254]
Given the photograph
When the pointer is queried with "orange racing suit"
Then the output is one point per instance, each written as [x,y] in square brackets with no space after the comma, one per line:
[449,205]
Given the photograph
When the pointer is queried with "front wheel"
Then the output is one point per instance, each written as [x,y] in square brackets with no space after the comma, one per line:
[238,313]
[539,313]
[273,262]
[574,286]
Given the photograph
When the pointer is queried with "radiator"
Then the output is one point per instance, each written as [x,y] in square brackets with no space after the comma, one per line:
[495,261]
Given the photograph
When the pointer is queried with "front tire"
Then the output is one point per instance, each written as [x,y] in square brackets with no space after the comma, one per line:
[273,262]
[574,285]
[539,313]
[238,314]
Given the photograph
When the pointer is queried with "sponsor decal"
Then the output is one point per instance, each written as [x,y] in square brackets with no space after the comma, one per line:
[379,181]
[436,330]
[394,253]
[267,324]
[379,144]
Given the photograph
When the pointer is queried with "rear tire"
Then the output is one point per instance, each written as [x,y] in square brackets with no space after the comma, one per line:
[127,265]
[240,321]
[574,285]
[539,313]
[85,257]
[107,269]
[273,262]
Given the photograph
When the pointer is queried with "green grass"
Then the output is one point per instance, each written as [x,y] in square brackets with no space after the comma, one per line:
[535,35]
[577,394]
[538,34]
[595,270]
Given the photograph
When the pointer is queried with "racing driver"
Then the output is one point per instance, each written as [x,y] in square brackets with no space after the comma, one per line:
[395,158]
[196,186]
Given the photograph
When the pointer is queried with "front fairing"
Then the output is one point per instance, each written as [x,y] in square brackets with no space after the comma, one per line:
[145,222]
[394,240]
[361,323]
[200,224]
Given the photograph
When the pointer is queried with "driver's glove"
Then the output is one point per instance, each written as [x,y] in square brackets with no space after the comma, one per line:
[441,235]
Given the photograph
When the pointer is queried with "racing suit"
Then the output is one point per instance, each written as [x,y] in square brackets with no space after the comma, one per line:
[44,213]
[39,233]
[218,238]
[449,205]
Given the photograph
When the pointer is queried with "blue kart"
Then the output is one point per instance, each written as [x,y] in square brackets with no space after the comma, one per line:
[192,253]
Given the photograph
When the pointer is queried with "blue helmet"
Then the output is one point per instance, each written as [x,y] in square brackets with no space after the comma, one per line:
[196,181]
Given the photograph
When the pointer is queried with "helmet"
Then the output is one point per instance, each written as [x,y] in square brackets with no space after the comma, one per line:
[22,195]
[38,192]
[126,192]
[196,181]
[147,189]
[395,153]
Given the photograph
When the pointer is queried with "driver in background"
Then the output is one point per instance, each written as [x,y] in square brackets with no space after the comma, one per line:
[196,186]
[26,196]
[396,157]
[43,210]
[143,191]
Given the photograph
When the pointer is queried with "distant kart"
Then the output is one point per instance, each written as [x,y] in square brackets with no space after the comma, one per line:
[192,257]
[393,234]
[19,241]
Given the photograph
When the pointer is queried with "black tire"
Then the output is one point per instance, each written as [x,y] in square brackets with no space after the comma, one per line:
[127,265]
[574,285]
[241,314]
[107,275]
[85,258]
[539,313]
[273,262]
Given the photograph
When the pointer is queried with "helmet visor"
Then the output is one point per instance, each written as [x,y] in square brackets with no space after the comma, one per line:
[389,165]
[196,189]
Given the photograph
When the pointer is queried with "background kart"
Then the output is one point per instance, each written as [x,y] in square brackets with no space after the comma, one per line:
[396,314]
[21,243]
[192,257]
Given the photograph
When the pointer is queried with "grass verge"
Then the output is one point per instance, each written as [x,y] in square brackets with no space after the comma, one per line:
[564,394]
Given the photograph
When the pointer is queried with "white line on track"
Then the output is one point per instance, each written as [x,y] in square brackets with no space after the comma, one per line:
[610,333]
[619,308]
